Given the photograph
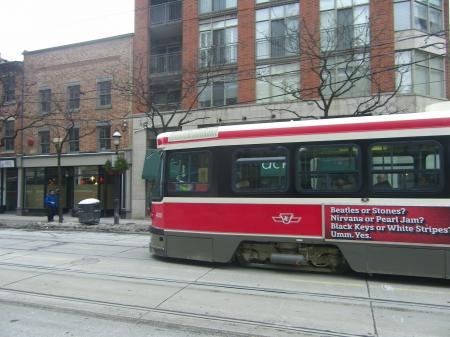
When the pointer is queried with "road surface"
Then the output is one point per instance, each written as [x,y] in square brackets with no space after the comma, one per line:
[105,284]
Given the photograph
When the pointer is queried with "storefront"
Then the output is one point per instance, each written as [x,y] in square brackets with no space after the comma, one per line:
[77,183]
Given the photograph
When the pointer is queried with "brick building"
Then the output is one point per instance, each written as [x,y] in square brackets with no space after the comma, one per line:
[11,76]
[70,101]
[229,61]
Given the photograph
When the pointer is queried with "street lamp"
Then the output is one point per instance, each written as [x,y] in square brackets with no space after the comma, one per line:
[116,141]
[58,142]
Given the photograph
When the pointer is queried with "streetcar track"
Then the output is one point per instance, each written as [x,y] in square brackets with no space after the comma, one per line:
[179,313]
[57,243]
[186,283]
[121,318]
[114,255]
[94,243]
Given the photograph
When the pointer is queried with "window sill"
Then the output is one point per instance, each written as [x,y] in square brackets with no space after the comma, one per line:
[165,23]
[8,103]
[217,67]
[103,107]
[224,106]
[218,13]
[272,3]
[421,95]
[421,31]
[278,60]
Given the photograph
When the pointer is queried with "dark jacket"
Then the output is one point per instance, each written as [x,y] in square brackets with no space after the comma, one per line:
[51,201]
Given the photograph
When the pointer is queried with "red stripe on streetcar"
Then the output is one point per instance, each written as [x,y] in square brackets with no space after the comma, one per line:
[395,224]
[321,129]
[297,220]
[337,128]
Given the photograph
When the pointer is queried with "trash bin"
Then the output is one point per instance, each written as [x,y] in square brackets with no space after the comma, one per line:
[89,211]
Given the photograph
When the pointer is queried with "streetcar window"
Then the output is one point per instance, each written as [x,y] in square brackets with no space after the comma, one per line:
[189,172]
[331,168]
[152,172]
[260,170]
[406,166]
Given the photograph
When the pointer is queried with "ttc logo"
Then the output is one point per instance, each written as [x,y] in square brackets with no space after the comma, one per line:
[286,218]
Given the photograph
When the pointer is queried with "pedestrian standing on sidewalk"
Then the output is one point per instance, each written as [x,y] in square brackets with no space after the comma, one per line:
[51,204]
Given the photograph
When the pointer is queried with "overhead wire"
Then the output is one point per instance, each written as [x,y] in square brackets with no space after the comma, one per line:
[425,35]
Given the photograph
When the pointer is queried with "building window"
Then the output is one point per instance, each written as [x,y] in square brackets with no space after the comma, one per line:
[277,31]
[9,135]
[74,139]
[344,24]
[87,183]
[9,89]
[163,12]
[347,75]
[218,91]
[45,99]
[420,73]
[104,137]
[44,141]
[166,97]
[208,6]
[73,92]
[218,42]
[165,59]
[275,83]
[35,182]
[104,94]
[422,15]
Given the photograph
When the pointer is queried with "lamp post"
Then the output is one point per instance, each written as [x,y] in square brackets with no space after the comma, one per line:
[58,142]
[116,141]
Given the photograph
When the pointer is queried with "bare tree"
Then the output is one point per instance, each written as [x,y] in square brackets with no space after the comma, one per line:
[60,117]
[342,61]
[14,95]
[67,127]
[338,55]
[342,64]
[190,84]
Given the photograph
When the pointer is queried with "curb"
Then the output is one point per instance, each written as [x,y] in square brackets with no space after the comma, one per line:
[129,227]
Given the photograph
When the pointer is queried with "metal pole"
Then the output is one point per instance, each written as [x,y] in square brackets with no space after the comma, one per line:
[116,191]
[59,182]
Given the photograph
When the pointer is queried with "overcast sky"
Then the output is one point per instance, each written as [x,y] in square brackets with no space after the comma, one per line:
[39,24]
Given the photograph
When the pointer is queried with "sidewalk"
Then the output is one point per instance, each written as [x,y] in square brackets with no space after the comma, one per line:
[72,224]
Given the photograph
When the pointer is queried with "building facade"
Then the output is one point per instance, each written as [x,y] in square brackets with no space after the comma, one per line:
[73,101]
[228,61]
[11,110]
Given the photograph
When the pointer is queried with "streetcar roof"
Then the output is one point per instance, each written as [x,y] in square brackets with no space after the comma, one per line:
[389,126]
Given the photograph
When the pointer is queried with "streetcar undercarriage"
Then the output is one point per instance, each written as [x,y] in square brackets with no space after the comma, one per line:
[314,255]
[299,256]
[284,255]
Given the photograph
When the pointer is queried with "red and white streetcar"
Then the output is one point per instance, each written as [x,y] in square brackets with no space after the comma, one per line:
[369,193]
